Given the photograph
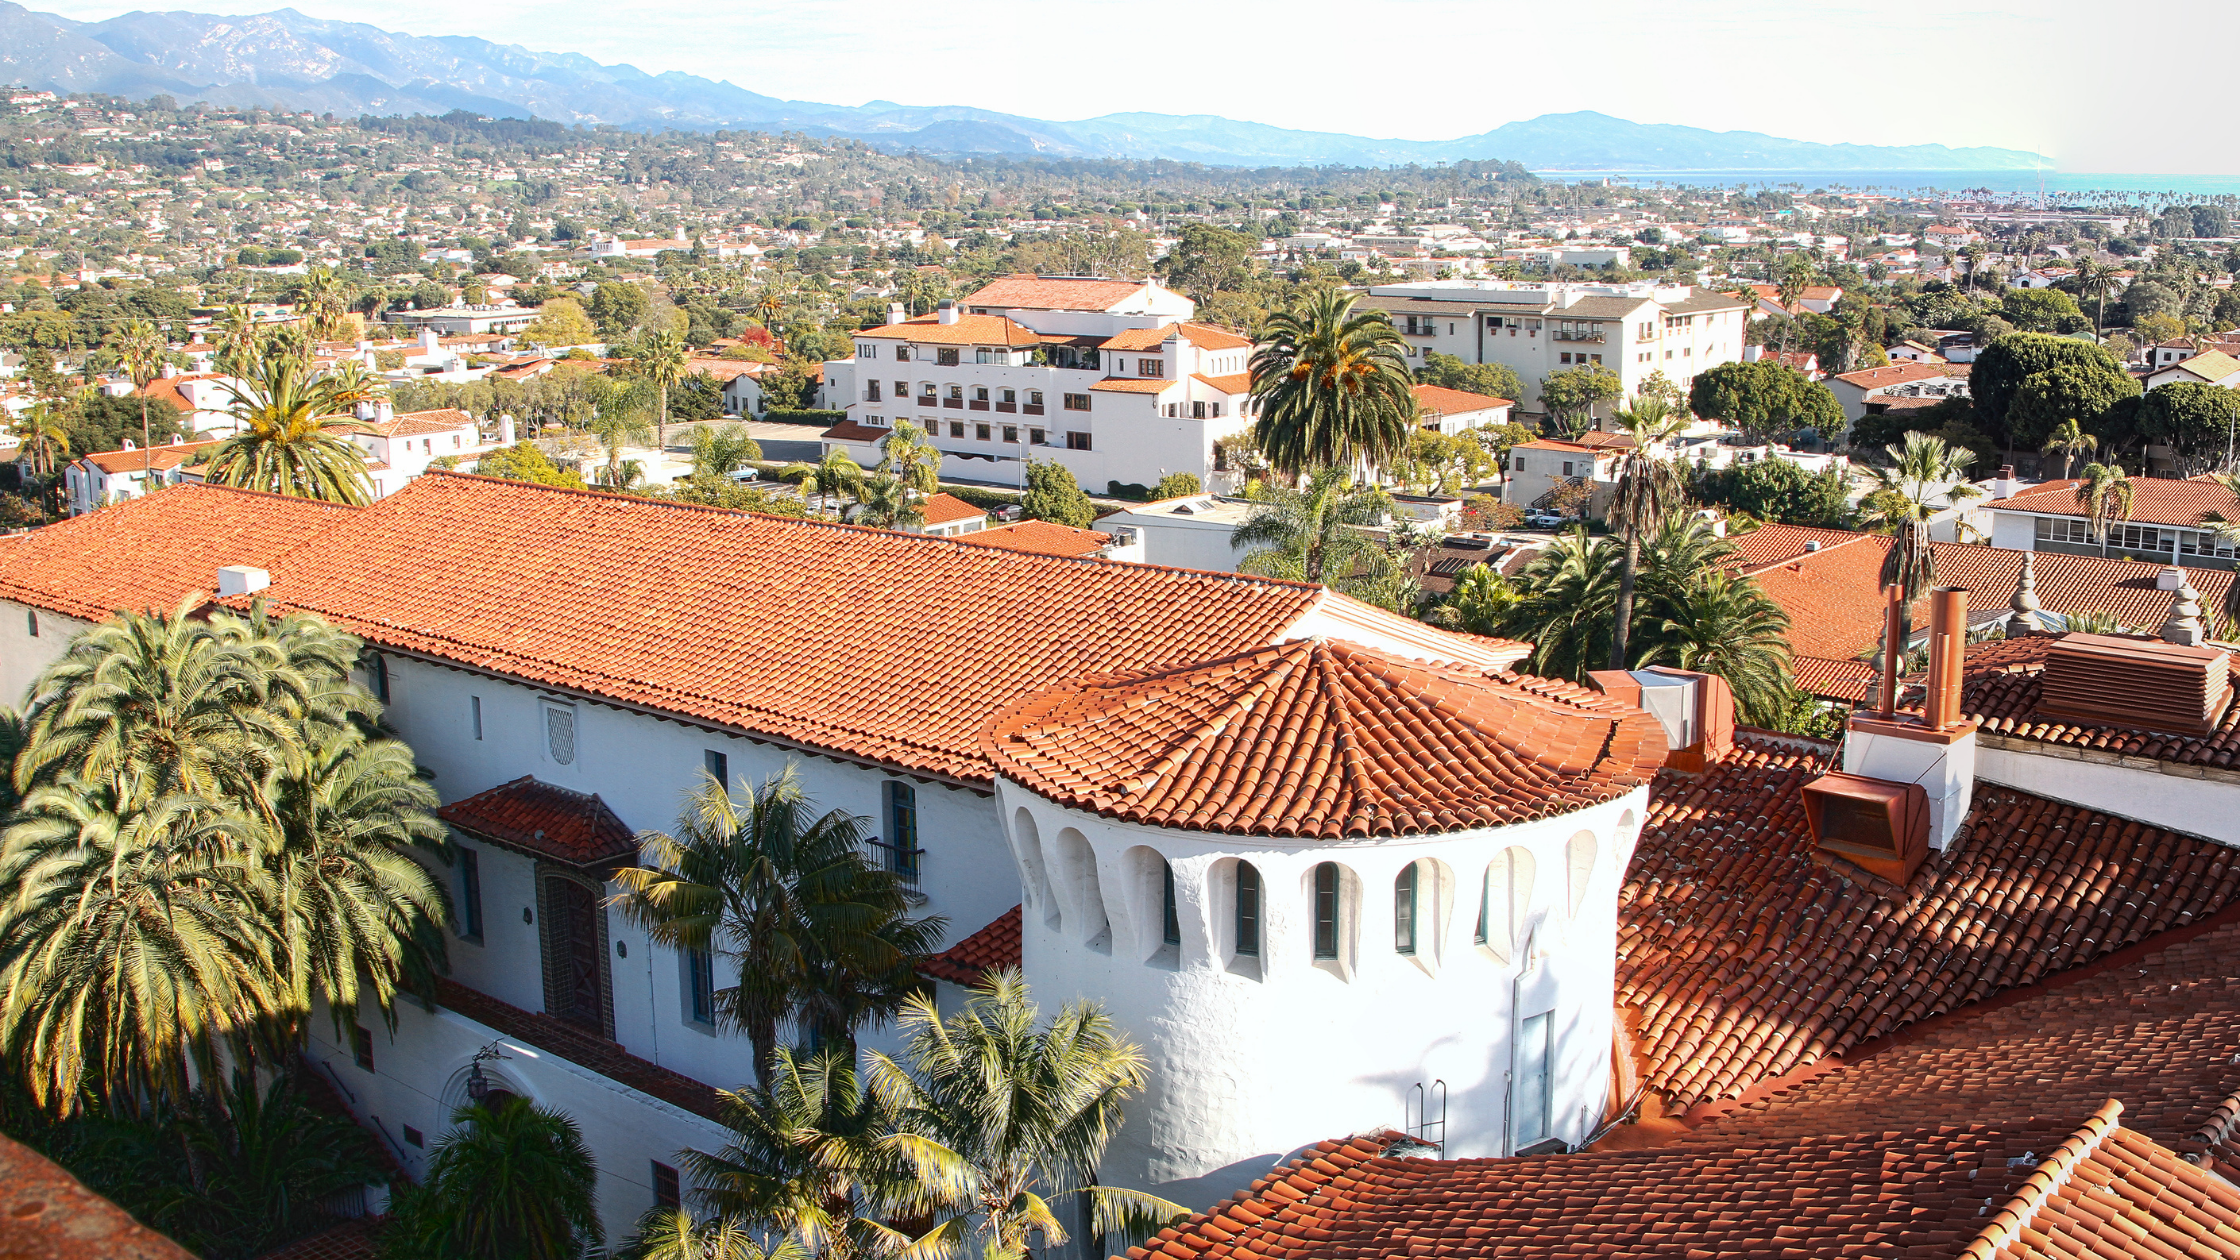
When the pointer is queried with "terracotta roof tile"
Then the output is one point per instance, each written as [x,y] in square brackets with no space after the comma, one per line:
[1439,400]
[51,1215]
[992,948]
[1833,680]
[1044,538]
[1203,336]
[1132,385]
[1323,739]
[1021,291]
[1234,383]
[1895,374]
[1775,543]
[351,1240]
[943,508]
[544,821]
[2154,500]
[2000,687]
[968,330]
[151,552]
[417,423]
[162,457]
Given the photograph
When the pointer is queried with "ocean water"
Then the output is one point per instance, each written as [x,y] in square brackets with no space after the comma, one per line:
[2057,186]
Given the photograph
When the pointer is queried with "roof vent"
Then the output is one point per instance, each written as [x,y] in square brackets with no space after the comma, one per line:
[1875,824]
[1812,544]
[241,579]
[2117,680]
[1696,710]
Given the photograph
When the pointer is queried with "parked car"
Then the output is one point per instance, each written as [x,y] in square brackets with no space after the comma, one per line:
[1542,520]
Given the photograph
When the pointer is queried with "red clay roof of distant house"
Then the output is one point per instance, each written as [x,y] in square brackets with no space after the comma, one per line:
[968,330]
[1133,385]
[852,431]
[1323,739]
[1021,291]
[1773,543]
[2154,500]
[1832,680]
[162,457]
[544,820]
[995,947]
[1203,336]
[1439,400]
[1046,538]
[1234,383]
[943,508]
[1895,374]
[51,1215]
[417,423]
[152,552]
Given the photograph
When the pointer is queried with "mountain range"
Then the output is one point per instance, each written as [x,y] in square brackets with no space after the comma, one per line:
[288,61]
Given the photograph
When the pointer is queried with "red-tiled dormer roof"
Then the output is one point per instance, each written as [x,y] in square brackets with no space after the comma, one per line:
[944,508]
[1323,739]
[2154,500]
[1895,374]
[1233,383]
[162,457]
[1132,385]
[1044,538]
[1441,401]
[968,330]
[150,553]
[1021,291]
[418,423]
[995,947]
[1203,336]
[544,821]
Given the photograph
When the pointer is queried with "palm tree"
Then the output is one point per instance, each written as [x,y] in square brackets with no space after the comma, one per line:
[141,348]
[811,1156]
[1795,279]
[837,475]
[1479,602]
[818,934]
[617,425]
[884,501]
[674,1234]
[2105,493]
[292,434]
[1725,625]
[1568,606]
[509,1182]
[2095,280]
[1332,387]
[1311,533]
[41,431]
[662,358]
[910,459]
[1900,506]
[324,302]
[1001,1117]
[1649,487]
[2227,528]
[720,452]
[240,343]
[2072,441]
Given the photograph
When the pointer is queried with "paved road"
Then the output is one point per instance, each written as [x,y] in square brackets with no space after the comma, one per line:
[780,442]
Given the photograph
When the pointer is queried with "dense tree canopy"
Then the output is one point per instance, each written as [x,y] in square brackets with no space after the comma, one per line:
[2197,420]
[1765,398]
[2002,367]
[2068,391]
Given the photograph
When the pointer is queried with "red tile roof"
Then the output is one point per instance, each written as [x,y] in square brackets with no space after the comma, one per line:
[1203,336]
[1895,374]
[968,330]
[351,1240]
[2000,688]
[737,626]
[850,431]
[2154,501]
[944,508]
[1745,957]
[544,821]
[416,423]
[162,457]
[1833,680]
[992,948]
[1021,291]
[1774,543]
[51,1215]
[151,552]
[1437,400]
[1045,538]
[584,1049]
[1133,385]
[1322,739]
[1234,383]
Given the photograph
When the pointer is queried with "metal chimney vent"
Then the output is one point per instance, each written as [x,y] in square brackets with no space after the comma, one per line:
[2115,680]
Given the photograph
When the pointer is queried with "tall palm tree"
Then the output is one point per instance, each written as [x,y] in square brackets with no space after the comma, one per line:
[292,434]
[323,299]
[2095,281]
[1332,387]
[617,425]
[1902,505]
[662,358]
[240,342]
[1001,1117]
[811,1156]
[1723,624]
[718,452]
[1479,602]
[2106,494]
[41,431]
[1311,533]
[141,348]
[509,1182]
[884,501]
[2071,440]
[1649,488]
[792,901]
[1795,279]
[910,459]
[838,474]
[675,1234]
[1569,602]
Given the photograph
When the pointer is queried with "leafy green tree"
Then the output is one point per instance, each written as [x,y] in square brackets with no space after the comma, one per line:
[2001,367]
[522,461]
[1570,395]
[561,321]
[1311,533]
[1332,387]
[815,933]
[2042,310]
[1003,1118]
[836,476]
[617,308]
[1764,398]
[1208,261]
[293,433]
[885,501]
[2197,420]
[142,350]
[1649,488]
[675,1234]
[1568,595]
[616,425]
[1495,380]
[2060,394]
[2095,281]
[94,421]
[509,1182]
[1053,495]
[1775,490]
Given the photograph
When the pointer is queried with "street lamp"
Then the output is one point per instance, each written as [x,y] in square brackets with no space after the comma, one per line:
[478,1084]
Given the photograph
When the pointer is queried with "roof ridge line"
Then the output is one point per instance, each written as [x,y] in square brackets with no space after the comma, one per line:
[1213,727]
[2016,1214]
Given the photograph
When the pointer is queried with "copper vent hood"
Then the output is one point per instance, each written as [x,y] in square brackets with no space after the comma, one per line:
[1871,823]
[2120,680]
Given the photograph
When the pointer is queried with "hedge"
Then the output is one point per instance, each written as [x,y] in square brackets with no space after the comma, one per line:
[785,415]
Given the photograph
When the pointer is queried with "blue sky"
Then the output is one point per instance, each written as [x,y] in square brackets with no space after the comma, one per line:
[1885,73]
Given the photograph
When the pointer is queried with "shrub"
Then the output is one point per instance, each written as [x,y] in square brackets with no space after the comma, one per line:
[1176,485]
[1053,495]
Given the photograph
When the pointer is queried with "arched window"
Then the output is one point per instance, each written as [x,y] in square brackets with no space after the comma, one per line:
[1404,910]
[1579,858]
[1506,896]
[1248,910]
[1169,915]
[1326,911]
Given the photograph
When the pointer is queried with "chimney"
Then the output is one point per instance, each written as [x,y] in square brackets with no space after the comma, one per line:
[2135,681]
[130,445]
[383,413]
[2170,578]
[1812,544]
[894,313]
[505,429]
[2184,626]
[947,311]
[427,341]
[2005,484]
[170,371]
[1695,709]
[241,579]
[1934,750]
[2025,602]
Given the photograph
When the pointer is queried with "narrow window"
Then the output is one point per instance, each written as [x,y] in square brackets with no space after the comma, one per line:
[1530,1102]
[1248,910]
[902,830]
[377,675]
[1168,912]
[718,766]
[700,984]
[666,1192]
[31,616]
[1404,911]
[474,704]
[361,1046]
[470,894]
[1325,911]
[560,734]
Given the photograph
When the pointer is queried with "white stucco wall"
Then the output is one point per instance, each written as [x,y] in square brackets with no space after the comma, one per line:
[2014,531]
[23,654]
[2181,798]
[1250,1061]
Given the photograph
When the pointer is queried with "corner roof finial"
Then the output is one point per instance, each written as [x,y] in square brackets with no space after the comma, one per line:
[2184,626]
[2025,602]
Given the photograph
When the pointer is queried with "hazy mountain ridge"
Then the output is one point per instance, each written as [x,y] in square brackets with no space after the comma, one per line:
[287,60]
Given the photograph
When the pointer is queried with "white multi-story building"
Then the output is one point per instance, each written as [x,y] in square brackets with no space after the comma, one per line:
[1634,330]
[105,477]
[1108,377]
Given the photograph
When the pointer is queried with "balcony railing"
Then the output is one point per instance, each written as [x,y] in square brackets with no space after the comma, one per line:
[1596,338]
[979,404]
[903,862]
[1004,406]
[956,403]
[1031,409]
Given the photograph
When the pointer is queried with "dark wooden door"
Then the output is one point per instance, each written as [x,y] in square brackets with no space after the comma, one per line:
[572,918]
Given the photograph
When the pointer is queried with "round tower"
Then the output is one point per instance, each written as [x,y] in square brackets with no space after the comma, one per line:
[1329,889]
